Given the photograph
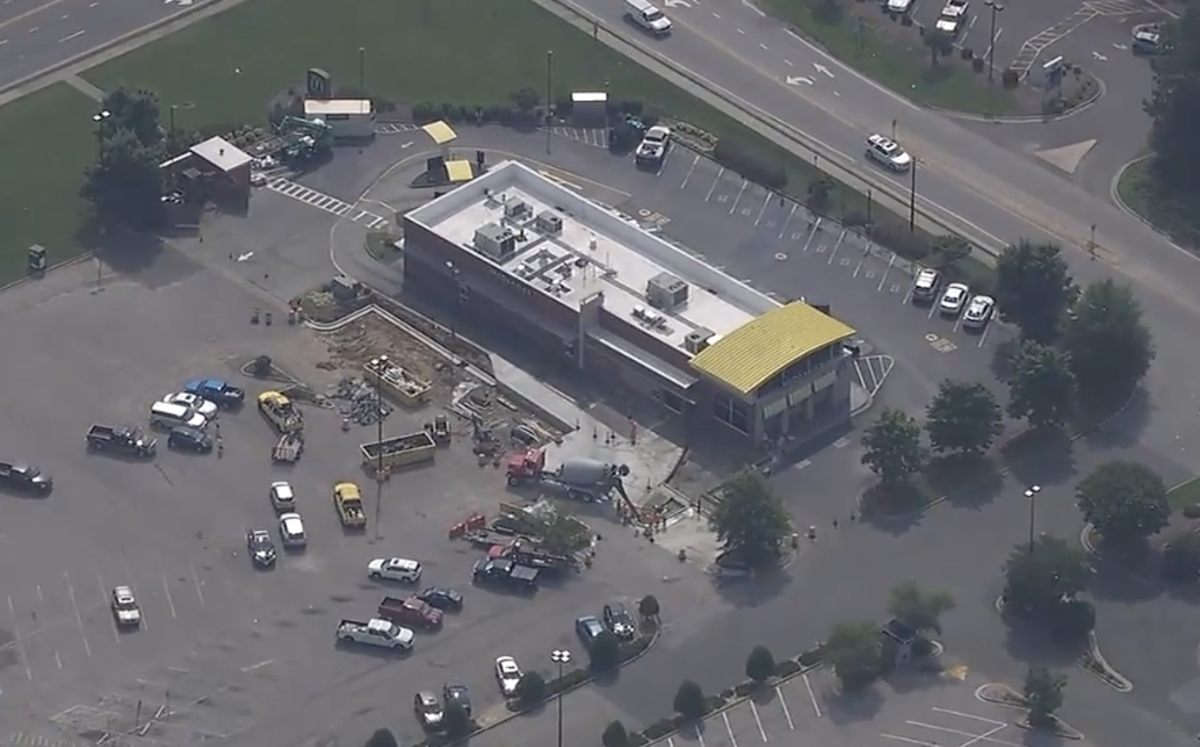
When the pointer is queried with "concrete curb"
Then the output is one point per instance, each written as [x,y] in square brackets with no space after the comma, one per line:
[1114,194]
[1032,119]
[1066,731]
[56,266]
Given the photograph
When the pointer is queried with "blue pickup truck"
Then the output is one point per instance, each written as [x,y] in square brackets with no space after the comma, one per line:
[221,392]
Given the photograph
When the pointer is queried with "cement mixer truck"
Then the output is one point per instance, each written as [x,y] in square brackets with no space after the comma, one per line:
[581,479]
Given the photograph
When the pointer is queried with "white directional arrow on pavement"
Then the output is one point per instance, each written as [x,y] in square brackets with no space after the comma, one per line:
[797,81]
[822,70]
[677,3]
[1099,57]
[1120,46]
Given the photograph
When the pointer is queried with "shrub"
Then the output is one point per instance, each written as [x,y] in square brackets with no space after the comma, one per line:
[754,167]
[605,653]
[742,689]
[1010,79]
[690,702]
[911,245]
[382,738]
[634,648]
[571,679]
[967,53]
[637,739]
[760,664]
[262,366]
[531,689]
[648,607]
[525,99]
[615,735]
[659,729]
[977,64]
[713,703]
[458,723]
[787,668]
[813,656]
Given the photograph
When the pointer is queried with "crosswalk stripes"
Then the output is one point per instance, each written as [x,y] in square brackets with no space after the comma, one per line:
[321,201]
[593,136]
[25,739]
[394,128]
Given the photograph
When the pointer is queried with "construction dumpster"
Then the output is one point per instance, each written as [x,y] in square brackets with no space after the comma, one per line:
[397,383]
[399,451]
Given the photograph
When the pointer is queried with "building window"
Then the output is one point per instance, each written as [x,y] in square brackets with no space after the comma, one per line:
[732,412]
[671,400]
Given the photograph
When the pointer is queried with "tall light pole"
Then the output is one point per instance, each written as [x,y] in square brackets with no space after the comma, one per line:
[100,118]
[379,365]
[1031,494]
[454,273]
[561,657]
[362,72]
[995,7]
[912,197]
[549,94]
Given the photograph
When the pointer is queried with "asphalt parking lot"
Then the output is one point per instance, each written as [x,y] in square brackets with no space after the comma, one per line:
[774,245]
[226,651]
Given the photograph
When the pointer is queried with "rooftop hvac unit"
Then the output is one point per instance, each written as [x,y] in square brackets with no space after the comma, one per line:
[667,292]
[495,242]
[548,223]
[516,209]
[697,340]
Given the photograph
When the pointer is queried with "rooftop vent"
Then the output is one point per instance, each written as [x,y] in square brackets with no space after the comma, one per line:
[495,242]
[667,292]
[548,223]
[516,209]
[697,340]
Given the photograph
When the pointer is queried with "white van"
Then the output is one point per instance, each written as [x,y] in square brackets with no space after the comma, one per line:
[167,415]
[648,16]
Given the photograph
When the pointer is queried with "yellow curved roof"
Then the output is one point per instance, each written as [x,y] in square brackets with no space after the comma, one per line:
[749,356]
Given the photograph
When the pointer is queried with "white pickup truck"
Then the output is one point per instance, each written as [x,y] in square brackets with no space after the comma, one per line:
[375,632]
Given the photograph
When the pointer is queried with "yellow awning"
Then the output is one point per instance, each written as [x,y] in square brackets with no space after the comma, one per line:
[459,171]
[749,356]
[440,132]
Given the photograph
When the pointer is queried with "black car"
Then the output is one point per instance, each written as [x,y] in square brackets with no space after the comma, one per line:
[190,439]
[442,598]
[618,620]
[26,477]
[456,692]
[260,547]
[589,630]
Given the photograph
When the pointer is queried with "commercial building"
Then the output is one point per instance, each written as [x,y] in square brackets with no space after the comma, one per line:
[543,267]
[348,119]
[215,171]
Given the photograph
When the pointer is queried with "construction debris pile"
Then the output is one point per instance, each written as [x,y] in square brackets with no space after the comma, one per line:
[498,424]
[358,401]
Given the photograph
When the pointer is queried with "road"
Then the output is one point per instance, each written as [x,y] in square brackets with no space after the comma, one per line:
[37,34]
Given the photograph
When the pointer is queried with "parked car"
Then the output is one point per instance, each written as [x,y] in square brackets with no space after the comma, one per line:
[618,620]
[926,286]
[394,569]
[216,390]
[194,402]
[953,299]
[23,476]
[429,711]
[979,312]
[282,496]
[185,438]
[447,600]
[457,692]
[291,530]
[508,675]
[261,547]
[125,607]
[589,629]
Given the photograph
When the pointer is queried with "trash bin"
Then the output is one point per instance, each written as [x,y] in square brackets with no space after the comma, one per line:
[37,258]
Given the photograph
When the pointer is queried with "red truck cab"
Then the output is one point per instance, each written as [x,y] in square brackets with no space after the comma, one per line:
[410,612]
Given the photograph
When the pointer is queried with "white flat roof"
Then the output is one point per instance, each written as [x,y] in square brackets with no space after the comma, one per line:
[598,250]
[221,153]
[326,107]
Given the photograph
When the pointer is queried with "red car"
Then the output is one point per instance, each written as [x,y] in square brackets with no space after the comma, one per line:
[410,612]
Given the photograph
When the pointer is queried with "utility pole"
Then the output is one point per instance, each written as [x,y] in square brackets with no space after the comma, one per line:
[995,7]
[870,201]
[362,72]
[912,199]
[380,366]
[549,94]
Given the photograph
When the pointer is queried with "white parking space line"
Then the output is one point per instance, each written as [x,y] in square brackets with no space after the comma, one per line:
[170,600]
[957,323]
[989,721]
[907,740]
[787,713]
[78,617]
[888,269]
[739,197]
[716,181]
[729,729]
[787,221]
[967,734]
[699,734]
[104,598]
[196,581]
[933,307]
[757,720]
[811,234]
[983,336]
[12,611]
[812,697]
[688,178]
[838,243]
[984,737]
[763,209]
[670,742]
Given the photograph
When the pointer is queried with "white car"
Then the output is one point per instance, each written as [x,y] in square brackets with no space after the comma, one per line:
[979,311]
[282,497]
[888,153]
[195,403]
[926,286]
[952,17]
[653,148]
[508,674]
[125,607]
[394,569]
[953,298]
[291,530]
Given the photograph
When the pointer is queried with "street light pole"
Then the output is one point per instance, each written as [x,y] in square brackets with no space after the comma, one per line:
[995,7]
[454,273]
[912,198]
[100,118]
[561,657]
[549,93]
[362,72]
[1031,494]
[380,365]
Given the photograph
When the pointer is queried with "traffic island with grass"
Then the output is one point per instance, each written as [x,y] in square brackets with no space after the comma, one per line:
[1172,213]
[925,65]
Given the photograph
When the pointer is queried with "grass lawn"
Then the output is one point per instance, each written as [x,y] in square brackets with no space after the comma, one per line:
[1185,494]
[1140,191]
[50,142]
[882,50]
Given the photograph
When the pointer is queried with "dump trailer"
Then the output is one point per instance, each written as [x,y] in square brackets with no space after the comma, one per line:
[280,412]
[399,451]
[122,439]
[587,479]
[523,552]
[289,447]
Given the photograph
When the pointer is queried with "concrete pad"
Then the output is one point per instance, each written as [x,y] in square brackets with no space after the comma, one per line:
[1067,157]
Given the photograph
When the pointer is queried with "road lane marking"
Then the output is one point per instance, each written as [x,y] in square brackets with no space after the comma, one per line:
[757,720]
[57,659]
[788,63]
[260,665]
[957,324]
[729,729]
[69,37]
[170,601]
[716,181]
[763,46]
[78,617]
[858,267]
[3,42]
[836,244]
[812,696]
[991,722]
[33,30]
[738,198]
[766,201]
[196,581]
[961,733]
[891,261]
[919,742]
[787,713]
[12,610]
[933,307]
[787,221]
[41,599]
[689,173]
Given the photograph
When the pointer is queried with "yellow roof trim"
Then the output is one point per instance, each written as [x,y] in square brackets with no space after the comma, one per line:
[749,356]
[440,132]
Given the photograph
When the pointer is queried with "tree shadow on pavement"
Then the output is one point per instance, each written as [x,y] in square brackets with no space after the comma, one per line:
[1123,574]
[752,591]
[1040,456]
[966,481]
[847,708]
[1125,427]
[1001,364]
[1027,642]
[128,253]
[898,508]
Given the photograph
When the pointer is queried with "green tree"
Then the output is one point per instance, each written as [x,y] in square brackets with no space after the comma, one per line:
[125,185]
[689,701]
[648,607]
[1174,106]
[940,45]
[1043,695]
[964,416]
[750,520]
[382,738]
[918,608]
[1034,289]
[1039,578]
[1125,501]
[531,689]
[893,448]
[1110,348]
[760,664]
[137,111]
[855,651]
[949,249]
[615,735]
[1042,387]
[1181,557]
[605,653]
[457,720]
